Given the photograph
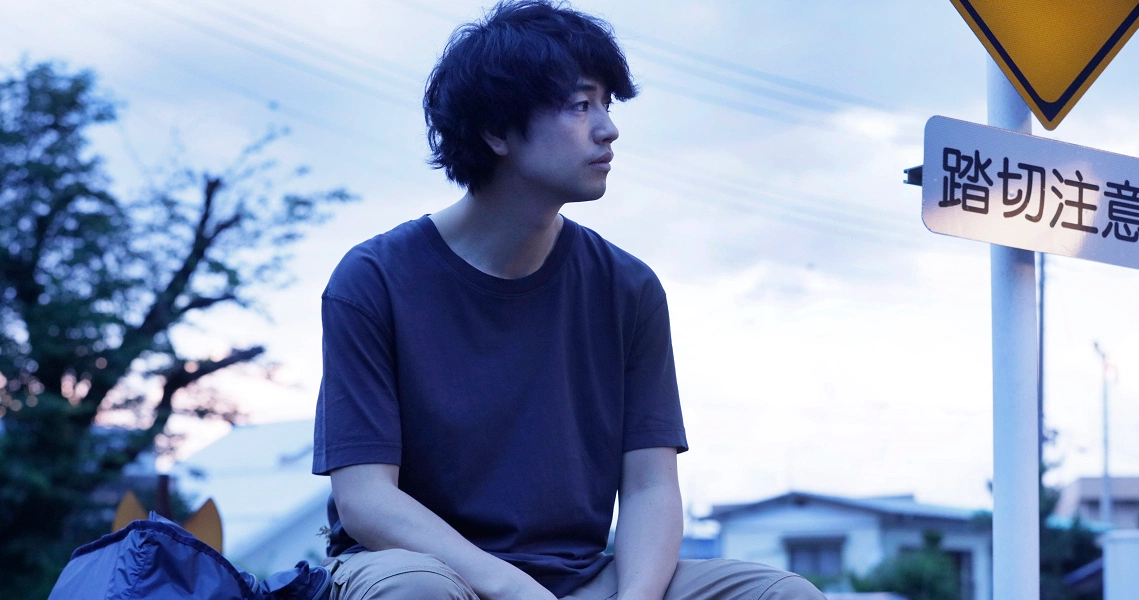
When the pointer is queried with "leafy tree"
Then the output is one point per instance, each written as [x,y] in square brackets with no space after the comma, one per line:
[925,574]
[90,288]
[1062,550]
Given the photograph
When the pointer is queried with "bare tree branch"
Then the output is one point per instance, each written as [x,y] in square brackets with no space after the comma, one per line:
[162,312]
[179,377]
[200,302]
[224,225]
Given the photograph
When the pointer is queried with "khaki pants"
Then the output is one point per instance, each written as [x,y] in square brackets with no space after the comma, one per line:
[405,575]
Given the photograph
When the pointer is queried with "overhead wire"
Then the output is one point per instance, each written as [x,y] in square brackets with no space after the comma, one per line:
[867,224]
[322,73]
[750,88]
[817,98]
[264,101]
[321,48]
[737,105]
[748,206]
[258,22]
[353,55]
[829,204]
[667,86]
[754,73]
[800,212]
[780,205]
[744,107]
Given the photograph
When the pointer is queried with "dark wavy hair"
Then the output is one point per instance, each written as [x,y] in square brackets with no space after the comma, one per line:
[522,56]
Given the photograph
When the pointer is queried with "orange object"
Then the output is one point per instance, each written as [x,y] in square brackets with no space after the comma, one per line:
[204,524]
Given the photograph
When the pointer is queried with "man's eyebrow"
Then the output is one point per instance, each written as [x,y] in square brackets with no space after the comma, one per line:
[585,86]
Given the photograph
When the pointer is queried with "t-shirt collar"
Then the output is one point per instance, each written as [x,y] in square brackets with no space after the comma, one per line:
[498,285]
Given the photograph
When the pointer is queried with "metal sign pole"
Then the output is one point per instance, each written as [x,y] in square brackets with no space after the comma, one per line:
[1016,497]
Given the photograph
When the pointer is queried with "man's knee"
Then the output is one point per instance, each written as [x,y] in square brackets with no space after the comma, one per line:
[792,587]
[397,575]
[413,585]
[737,580]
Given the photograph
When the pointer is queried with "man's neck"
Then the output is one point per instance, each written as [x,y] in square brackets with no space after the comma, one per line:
[501,234]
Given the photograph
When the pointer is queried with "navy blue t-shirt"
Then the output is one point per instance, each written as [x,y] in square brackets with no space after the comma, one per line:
[507,403]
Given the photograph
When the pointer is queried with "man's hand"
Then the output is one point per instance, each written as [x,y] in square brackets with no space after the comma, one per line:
[649,525]
[376,513]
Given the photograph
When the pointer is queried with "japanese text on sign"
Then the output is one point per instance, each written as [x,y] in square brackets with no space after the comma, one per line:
[967,183]
[993,185]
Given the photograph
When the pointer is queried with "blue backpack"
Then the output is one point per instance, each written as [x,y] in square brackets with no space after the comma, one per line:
[158,560]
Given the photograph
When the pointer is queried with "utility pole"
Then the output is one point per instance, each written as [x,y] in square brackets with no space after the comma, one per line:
[1040,365]
[1105,492]
[1016,468]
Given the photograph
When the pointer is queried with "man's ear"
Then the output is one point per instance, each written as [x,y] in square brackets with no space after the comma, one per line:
[497,143]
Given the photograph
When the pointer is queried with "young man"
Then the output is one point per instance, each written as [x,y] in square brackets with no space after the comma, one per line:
[494,373]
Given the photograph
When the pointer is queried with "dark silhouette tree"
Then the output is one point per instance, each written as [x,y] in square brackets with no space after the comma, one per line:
[1063,549]
[925,574]
[90,287]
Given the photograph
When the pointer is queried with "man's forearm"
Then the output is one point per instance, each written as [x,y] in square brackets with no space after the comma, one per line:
[380,516]
[649,528]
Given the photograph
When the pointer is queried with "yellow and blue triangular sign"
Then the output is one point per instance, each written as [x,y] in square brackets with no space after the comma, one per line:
[1051,50]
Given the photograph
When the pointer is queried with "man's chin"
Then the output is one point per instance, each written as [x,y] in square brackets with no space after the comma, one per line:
[589,195]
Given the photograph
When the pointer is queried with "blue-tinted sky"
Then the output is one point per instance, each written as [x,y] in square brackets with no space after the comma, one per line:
[825,340]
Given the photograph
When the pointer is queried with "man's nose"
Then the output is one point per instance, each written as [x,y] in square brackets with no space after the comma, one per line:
[605,131]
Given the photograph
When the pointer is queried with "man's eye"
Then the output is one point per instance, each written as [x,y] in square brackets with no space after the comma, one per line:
[583,105]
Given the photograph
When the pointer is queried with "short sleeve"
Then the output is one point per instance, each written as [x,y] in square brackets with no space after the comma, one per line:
[652,400]
[357,412]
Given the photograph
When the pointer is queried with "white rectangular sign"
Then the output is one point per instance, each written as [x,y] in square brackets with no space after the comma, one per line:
[993,185]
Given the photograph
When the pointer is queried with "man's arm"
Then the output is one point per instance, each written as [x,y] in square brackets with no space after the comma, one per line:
[650,524]
[376,513]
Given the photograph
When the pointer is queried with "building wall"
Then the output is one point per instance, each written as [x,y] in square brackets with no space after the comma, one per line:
[759,536]
[1124,513]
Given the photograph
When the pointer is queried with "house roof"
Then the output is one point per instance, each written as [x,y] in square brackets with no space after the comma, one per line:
[261,478]
[904,506]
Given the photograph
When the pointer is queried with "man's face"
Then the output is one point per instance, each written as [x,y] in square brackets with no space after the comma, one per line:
[567,150]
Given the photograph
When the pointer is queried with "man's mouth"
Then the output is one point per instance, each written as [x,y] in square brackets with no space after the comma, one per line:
[603,160]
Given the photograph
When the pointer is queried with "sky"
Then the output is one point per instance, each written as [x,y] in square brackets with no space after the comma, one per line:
[825,340]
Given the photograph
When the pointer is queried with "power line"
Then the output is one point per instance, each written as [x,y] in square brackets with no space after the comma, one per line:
[274,56]
[750,186]
[749,206]
[779,205]
[744,107]
[752,72]
[760,111]
[818,99]
[758,90]
[321,48]
[234,88]
[750,198]
[722,102]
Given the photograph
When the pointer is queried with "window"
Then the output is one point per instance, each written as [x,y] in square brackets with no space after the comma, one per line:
[818,557]
[963,562]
